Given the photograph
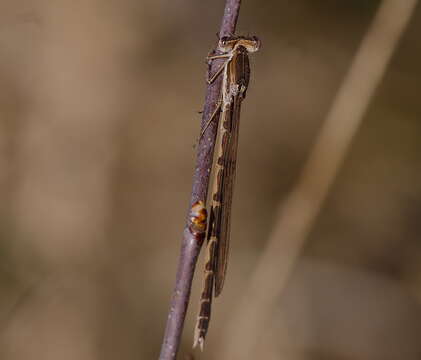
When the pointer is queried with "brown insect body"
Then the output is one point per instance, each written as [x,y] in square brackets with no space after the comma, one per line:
[236,75]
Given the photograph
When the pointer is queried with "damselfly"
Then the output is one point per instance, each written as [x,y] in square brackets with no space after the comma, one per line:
[235,73]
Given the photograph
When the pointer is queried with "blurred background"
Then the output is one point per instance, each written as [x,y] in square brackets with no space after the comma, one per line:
[99,115]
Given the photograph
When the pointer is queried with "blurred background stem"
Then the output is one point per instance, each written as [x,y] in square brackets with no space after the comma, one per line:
[300,209]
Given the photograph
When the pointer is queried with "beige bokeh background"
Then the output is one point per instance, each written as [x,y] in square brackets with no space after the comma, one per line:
[99,114]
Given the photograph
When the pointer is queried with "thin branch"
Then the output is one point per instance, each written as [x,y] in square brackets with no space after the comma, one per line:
[298,213]
[192,241]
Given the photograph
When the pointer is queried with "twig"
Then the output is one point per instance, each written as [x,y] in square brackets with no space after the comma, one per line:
[191,243]
[298,213]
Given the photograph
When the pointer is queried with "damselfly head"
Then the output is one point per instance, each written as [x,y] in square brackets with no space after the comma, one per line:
[229,43]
